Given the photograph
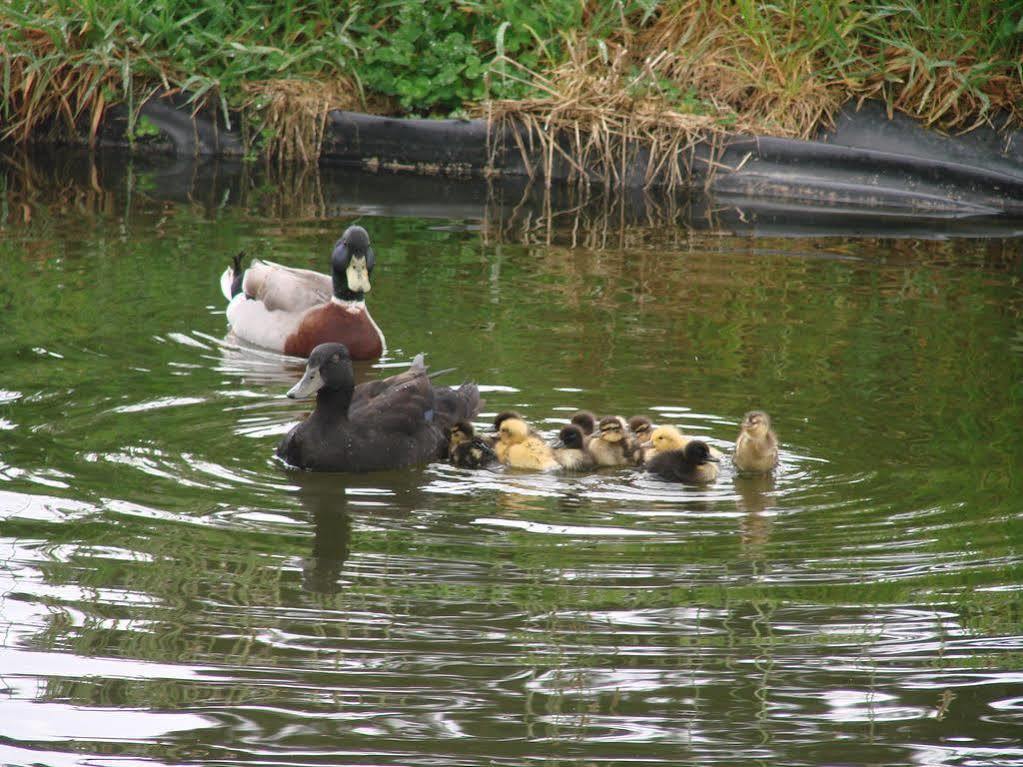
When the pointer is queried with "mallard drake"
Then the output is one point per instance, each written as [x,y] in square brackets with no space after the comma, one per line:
[693,465]
[586,421]
[610,444]
[756,448]
[466,450]
[570,450]
[293,310]
[519,448]
[387,424]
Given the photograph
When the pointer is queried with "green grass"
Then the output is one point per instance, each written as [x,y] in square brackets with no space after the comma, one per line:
[782,67]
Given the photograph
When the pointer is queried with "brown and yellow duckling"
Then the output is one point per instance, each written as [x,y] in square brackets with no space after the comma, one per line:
[519,448]
[467,450]
[610,445]
[693,465]
[570,450]
[640,427]
[756,448]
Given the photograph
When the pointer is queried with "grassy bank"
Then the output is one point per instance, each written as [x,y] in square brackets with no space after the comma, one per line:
[662,71]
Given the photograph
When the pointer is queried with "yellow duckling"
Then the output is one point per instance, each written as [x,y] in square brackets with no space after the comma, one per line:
[610,445]
[666,438]
[518,448]
[756,448]
[570,451]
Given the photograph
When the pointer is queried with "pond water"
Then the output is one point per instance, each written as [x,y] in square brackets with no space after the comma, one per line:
[170,594]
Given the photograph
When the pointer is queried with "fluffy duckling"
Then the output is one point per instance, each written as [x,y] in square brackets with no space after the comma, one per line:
[666,438]
[518,448]
[756,448]
[570,450]
[467,450]
[586,421]
[610,445]
[640,427]
[693,465]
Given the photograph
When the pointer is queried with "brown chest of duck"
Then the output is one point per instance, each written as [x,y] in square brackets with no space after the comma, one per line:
[570,450]
[610,444]
[466,449]
[292,311]
[521,448]
[389,424]
[756,447]
[693,465]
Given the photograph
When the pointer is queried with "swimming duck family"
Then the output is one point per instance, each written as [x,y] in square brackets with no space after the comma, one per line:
[292,310]
[388,424]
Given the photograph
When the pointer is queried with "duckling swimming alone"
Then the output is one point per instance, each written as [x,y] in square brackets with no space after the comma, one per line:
[293,310]
[466,450]
[518,448]
[756,448]
[371,427]
[571,452]
[693,465]
[610,445]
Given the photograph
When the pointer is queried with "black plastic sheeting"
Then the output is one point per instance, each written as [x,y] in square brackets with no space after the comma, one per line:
[868,161]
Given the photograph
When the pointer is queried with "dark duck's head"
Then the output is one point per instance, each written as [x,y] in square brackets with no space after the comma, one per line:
[697,453]
[571,437]
[351,263]
[328,373]
[586,421]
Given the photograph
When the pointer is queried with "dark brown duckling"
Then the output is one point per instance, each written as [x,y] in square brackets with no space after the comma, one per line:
[756,448]
[570,450]
[586,421]
[467,450]
[694,465]
[610,444]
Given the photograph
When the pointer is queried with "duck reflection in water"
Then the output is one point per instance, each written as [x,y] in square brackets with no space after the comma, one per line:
[755,496]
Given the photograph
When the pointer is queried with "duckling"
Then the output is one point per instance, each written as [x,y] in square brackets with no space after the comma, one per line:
[692,465]
[610,445]
[640,428]
[494,440]
[466,450]
[586,421]
[665,438]
[756,448]
[570,450]
[518,448]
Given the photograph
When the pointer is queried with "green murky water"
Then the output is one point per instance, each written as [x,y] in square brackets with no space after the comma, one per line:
[170,595]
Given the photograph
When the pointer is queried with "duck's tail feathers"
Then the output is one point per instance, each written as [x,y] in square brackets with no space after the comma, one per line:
[231,279]
[461,404]
[418,363]
[442,372]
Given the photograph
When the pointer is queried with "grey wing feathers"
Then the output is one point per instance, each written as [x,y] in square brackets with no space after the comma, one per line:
[286,288]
